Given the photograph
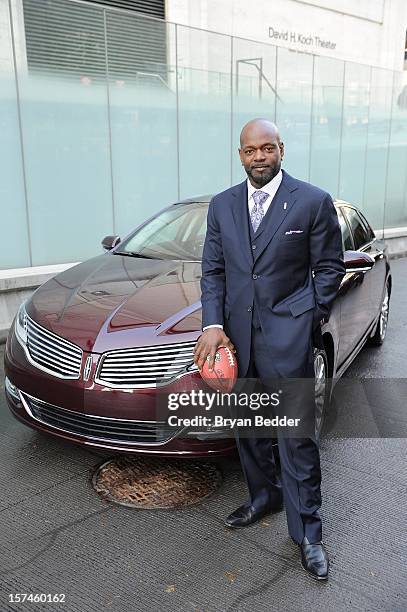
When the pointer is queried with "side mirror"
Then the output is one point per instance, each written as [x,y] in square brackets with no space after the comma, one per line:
[355,261]
[109,242]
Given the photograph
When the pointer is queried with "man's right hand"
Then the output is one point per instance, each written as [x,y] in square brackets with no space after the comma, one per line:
[207,345]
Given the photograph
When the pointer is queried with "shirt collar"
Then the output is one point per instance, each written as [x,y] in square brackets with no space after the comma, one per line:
[270,187]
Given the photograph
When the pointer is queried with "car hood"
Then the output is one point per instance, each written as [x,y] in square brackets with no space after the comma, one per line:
[114,301]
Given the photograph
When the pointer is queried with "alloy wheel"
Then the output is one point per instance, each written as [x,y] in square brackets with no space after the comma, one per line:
[381,326]
[384,315]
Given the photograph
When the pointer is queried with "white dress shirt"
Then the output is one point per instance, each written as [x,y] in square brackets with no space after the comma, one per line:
[270,188]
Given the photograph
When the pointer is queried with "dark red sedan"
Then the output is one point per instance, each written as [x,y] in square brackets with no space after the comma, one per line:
[89,351]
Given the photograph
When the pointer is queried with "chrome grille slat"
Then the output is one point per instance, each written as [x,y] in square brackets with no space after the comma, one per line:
[150,377]
[41,338]
[97,427]
[51,367]
[163,357]
[145,367]
[51,364]
[46,334]
[52,353]
[161,352]
[102,428]
[50,361]
[47,353]
[152,374]
[81,415]
[56,339]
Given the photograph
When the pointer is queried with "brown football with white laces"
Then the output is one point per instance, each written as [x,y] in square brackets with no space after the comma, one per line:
[224,374]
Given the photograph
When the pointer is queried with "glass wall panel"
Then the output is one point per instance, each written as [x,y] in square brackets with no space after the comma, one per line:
[354,132]
[15,240]
[113,115]
[293,117]
[65,134]
[326,123]
[203,111]
[143,119]
[396,187]
[254,90]
[377,145]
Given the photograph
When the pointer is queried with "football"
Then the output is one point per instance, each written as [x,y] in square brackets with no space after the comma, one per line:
[224,374]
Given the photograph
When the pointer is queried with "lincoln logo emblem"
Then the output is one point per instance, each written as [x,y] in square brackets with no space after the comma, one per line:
[86,369]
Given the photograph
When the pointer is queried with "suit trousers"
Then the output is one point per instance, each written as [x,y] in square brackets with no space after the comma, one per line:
[300,484]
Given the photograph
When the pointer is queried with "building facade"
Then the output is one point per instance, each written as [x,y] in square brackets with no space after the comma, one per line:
[370,32]
[109,114]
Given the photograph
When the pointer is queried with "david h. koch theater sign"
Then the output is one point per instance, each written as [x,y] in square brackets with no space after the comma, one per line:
[298,38]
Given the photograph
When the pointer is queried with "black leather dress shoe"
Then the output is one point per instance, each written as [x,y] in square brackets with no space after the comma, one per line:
[314,559]
[247,515]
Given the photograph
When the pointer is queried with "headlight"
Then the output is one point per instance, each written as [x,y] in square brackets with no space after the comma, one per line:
[21,324]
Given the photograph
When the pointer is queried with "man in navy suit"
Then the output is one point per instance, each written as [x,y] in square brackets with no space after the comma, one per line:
[271,268]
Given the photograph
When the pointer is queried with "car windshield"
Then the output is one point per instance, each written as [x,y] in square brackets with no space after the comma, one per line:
[176,233]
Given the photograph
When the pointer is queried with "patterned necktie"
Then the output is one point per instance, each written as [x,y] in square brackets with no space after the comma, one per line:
[257,213]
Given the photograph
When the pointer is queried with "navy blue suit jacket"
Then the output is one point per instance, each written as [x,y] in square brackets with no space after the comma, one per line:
[291,278]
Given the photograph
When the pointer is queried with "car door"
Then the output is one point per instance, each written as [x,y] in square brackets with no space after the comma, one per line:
[354,294]
[366,241]
[375,248]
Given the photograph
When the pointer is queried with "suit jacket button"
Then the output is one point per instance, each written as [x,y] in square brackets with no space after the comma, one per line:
[254,276]
[249,309]
[254,247]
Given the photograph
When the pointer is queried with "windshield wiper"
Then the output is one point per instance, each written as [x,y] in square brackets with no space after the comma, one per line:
[133,254]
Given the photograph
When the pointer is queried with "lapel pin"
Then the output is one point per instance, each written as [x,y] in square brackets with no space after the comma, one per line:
[285,205]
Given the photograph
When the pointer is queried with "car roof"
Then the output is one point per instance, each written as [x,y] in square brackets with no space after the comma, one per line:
[201,199]
[344,203]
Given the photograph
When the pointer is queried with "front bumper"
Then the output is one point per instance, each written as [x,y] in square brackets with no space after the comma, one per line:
[89,414]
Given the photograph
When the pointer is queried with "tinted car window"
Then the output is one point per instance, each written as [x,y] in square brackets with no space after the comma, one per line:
[347,243]
[176,233]
[360,235]
[370,233]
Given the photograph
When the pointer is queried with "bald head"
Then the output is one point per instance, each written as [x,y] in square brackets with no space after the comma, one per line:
[261,151]
[258,126]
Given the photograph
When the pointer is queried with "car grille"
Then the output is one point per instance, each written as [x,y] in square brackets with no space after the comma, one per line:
[53,353]
[96,427]
[145,367]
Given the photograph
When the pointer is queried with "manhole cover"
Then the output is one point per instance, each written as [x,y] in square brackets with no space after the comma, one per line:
[155,483]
